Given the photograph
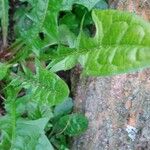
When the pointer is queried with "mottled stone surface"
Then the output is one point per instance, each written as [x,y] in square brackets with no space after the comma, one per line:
[140,7]
[118,107]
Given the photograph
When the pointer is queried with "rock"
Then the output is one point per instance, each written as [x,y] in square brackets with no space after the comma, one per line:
[118,107]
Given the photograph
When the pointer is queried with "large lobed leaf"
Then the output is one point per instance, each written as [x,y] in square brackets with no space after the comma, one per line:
[45,87]
[121,44]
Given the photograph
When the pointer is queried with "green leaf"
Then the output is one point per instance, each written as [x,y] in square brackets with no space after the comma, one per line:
[36,111]
[67,5]
[32,18]
[66,37]
[63,108]
[102,4]
[45,87]
[74,124]
[66,19]
[35,19]
[24,134]
[3,70]
[126,49]
[65,64]
[42,19]
[63,59]
[4,20]
[21,133]
[32,109]
[60,142]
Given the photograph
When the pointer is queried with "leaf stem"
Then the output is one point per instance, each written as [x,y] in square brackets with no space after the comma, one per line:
[13,112]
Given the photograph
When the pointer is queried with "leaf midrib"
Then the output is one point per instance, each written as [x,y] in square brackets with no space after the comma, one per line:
[81,52]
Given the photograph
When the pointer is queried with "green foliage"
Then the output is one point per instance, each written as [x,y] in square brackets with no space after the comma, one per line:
[72,125]
[4,20]
[3,70]
[55,35]
[124,50]
[24,135]
[45,87]
[102,4]
[18,132]
[67,5]
[64,108]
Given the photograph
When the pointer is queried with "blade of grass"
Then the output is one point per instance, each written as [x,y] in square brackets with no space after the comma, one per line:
[4,21]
